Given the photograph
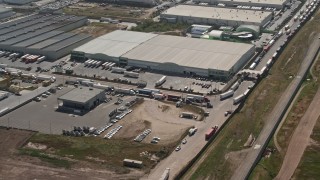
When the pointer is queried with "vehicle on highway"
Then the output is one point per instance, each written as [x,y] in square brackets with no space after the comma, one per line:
[37,99]
[178,148]
[184,141]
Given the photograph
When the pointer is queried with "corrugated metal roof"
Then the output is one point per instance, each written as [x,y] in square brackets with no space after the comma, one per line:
[115,43]
[190,52]
[263,2]
[51,41]
[67,42]
[218,13]
[37,39]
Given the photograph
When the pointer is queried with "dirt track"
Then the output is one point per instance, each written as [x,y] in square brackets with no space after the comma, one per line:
[300,139]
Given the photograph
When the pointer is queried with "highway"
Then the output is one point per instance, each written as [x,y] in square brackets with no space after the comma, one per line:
[252,157]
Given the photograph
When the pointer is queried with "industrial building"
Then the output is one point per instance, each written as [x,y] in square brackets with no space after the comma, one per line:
[81,99]
[43,34]
[111,46]
[148,3]
[255,3]
[18,2]
[173,54]
[6,12]
[215,16]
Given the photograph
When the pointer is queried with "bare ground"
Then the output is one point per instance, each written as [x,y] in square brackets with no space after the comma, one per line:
[162,118]
[16,166]
[300,139]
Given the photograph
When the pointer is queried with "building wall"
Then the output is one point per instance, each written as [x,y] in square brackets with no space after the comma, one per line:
[235,3]
[6,14]
[211,21]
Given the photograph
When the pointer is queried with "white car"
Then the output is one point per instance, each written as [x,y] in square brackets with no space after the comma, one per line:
[178,148]
[184,141]
[44,95]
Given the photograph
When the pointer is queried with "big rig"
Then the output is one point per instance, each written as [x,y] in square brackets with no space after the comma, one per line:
[131,74]
[198,98]
[211,132]
[172,97]
[161,81]
[226,94]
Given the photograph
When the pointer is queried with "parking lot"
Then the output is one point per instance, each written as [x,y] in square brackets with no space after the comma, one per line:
[174,81]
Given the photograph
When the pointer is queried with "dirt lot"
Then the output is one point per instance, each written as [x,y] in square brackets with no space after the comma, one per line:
[162,118]
[95,11]
[98,29]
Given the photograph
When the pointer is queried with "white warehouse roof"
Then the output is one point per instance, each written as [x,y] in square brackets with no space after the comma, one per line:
[262,2]
[190,52]
[218,13]
[115,43]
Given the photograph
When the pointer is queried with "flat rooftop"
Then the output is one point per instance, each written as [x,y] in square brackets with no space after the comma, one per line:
[190,52]
[218,13]
[280,2]
[116,43]
[80,95]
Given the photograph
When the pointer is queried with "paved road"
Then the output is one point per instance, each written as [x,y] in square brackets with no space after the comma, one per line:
[300,139]
[177,160]
[248,163]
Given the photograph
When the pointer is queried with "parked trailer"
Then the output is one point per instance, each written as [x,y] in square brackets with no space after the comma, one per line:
[82,79]
[28,76]
[198,97]
[118,70]
[145,92]
[124,91]
[1,53]
[101,86]
[187,115]
[132,163]
[238,99]
[153,90]
[40,59]
[271,42]
[131,74]
[99,63]
[246,92]
[43,77]
[3,66]
[25,56]
[159,96]
[173,97]
[252,66]
[165,175]
[87,83]
[263,70]
[288,31]
[235,86]
[211,132]
[161,81]
[274,56]
[269,62]
[226,94]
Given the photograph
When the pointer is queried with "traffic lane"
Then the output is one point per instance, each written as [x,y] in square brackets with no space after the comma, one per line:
[178,160]
[244,168]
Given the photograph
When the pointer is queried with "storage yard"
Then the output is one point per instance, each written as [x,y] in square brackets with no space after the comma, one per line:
[43,35]
[215,16]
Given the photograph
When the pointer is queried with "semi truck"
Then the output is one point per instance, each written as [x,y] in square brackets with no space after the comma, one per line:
[198,98]
[40,59]
[165,175]
[252,66]
[269,62]
[101,86]
[235,86]
[172,97]
[159,96]
[124,91]
[161,81]
[211,132]
[145,92]
[43,77]
[226,95]
[118,70]
[238,99]
[153,90]
[131,74]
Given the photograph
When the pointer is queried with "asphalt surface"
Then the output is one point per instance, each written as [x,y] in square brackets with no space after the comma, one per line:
[272,121]
[178,160]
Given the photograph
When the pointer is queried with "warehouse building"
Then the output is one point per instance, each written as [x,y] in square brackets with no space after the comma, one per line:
[215,59]
[215,16]
[278,4]
[81,99]
[172,54]
[6,12]
[111,46]
[43,35]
